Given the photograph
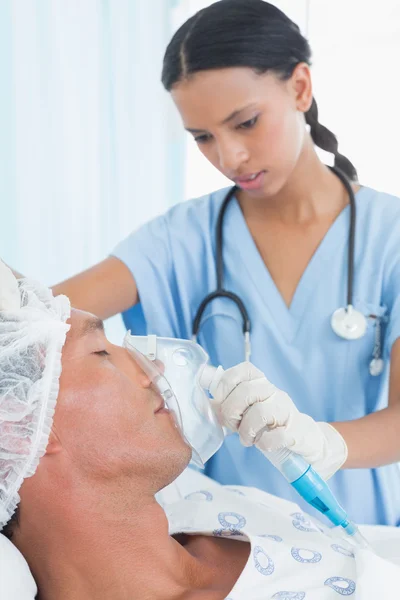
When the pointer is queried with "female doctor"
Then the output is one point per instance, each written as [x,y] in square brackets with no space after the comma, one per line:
[308,261]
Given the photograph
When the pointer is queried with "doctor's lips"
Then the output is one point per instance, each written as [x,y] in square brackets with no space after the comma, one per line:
[250,181]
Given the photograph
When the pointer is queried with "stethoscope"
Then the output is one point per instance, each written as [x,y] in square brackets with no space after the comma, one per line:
[347,322]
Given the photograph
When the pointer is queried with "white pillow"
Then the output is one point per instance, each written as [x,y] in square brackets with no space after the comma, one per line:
[16,581]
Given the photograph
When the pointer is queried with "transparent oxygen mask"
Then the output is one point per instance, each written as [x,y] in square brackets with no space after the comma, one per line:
[177,368]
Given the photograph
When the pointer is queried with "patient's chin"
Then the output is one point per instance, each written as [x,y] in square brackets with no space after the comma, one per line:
[176,463]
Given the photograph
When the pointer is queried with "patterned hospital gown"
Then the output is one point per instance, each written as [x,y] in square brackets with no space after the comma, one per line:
[291,557]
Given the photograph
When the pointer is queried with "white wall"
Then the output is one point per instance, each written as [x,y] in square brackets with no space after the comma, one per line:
[89,146]
[356,47]
[87,137]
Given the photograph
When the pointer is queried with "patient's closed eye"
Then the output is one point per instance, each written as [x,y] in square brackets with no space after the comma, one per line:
[102,353]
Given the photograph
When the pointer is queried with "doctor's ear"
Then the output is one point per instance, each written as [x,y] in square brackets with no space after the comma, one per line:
[301,87]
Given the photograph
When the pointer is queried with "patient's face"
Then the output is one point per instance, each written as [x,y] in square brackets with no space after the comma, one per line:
[107,417]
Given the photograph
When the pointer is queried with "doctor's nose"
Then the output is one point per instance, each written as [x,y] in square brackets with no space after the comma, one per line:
[231,157]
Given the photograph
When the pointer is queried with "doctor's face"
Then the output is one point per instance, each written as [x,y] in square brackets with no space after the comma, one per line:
[251,127]
[109,418]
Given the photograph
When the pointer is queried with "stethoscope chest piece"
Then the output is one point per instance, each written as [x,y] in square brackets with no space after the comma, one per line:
[349,323]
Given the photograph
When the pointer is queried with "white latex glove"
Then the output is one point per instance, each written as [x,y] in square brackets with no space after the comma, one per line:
[246,402]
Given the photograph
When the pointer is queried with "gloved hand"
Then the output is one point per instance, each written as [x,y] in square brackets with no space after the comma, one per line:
[246,402]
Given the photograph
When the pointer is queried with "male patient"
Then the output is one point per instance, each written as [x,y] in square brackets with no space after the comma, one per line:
[87,521]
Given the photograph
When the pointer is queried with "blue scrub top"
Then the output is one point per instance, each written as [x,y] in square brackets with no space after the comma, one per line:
[172,259]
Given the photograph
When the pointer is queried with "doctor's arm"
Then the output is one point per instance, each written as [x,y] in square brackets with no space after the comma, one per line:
[374,440]
[106,289]
[265,416]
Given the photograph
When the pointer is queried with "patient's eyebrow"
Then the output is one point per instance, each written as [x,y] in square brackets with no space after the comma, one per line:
[91,325]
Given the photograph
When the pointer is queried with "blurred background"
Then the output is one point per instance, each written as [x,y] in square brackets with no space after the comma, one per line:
[91,146]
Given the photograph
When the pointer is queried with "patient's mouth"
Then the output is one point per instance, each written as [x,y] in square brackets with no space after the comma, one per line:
[162,411]
[162,408]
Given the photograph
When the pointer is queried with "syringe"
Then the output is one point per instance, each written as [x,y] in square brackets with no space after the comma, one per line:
[314,490]
[300,475]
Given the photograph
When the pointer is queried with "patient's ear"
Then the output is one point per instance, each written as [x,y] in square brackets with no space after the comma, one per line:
[54,445]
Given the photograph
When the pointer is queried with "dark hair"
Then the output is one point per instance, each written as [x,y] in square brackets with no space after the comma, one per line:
[8,530]
[246,33]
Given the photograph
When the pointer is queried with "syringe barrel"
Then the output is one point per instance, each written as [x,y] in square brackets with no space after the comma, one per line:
[308,484]
[291,465]
[316,492]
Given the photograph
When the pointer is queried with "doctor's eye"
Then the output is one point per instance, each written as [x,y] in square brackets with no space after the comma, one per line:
[202,139]
[248,124]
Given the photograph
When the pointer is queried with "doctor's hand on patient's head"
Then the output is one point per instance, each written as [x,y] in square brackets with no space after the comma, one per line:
[265,416]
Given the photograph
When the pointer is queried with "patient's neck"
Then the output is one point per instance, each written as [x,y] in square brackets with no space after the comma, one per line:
[90,552]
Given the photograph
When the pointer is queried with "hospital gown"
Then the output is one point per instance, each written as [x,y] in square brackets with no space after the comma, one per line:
[292,556]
